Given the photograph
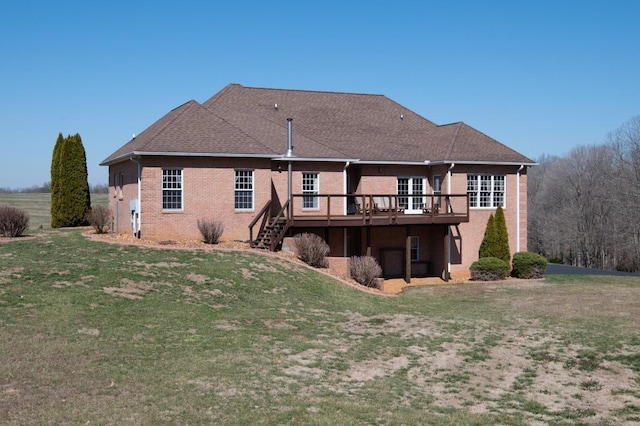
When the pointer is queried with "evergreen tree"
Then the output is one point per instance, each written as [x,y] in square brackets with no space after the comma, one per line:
[73,200]
[487,246]
[502,250]
[55,182]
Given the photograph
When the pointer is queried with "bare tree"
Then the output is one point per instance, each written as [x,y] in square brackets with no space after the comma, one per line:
[583,207]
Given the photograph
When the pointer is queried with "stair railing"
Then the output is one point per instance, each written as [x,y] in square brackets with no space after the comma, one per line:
[262,214]
[282,214]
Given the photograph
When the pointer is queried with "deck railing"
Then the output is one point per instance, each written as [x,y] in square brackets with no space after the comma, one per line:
[377,207]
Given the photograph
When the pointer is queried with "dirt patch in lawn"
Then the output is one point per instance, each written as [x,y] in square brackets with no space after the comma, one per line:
[129,289]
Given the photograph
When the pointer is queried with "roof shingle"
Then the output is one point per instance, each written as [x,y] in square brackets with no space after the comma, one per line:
[250,121]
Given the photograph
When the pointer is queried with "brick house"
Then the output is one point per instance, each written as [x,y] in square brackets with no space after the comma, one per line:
[367,174]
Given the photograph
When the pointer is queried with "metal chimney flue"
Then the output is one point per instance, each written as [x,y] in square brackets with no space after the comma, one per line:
[289,139]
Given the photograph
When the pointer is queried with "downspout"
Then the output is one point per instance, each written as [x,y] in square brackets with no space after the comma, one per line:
[139,218]
[449,227]
[346,205]
[344,181]
[518,208]
[289,154]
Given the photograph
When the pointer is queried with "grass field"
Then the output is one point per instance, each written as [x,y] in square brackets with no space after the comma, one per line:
[96,333]
[39,205]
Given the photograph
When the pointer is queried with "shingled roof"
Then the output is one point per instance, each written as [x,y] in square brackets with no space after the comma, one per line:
[329,126]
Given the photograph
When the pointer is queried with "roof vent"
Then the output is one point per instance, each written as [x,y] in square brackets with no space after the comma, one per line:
[401,116]
[275,106]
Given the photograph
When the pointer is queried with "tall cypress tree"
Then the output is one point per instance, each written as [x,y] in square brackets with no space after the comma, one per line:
[54,186]
[502,250]
[489,240]
[73,198]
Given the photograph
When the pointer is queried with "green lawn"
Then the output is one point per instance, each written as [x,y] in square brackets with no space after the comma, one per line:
[94,333]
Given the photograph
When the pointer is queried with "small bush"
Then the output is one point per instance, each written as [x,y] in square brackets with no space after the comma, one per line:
[489,269]
[365,270]
[528,265]
[13,221]
[312,249]
[98,217]
[211,230]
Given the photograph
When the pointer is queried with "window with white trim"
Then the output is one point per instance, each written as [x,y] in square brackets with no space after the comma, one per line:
[415,248]
[310,185]
[408,188]
[436,186]
[486,190]
[243,195]
[171,189]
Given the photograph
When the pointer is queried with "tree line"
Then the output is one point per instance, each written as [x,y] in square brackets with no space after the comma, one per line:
[583,208]
[45,188]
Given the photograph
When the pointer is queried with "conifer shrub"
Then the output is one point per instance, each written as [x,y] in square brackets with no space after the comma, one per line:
[365,270]
[98,217]
[528,265]
[13,221]
[70,197]
[211,230]
[487,246]
[502,250]
[56,182]
[489,269]
[495,242]
[312,249]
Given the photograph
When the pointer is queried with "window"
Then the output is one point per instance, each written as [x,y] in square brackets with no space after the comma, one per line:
[437,184]
[436,187]
[415,249]
[171,189]
[310,185]
[486,190]
[243,196]
[408,187]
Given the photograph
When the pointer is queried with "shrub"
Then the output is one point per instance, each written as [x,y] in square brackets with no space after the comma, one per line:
[365,270]
[489,269]
[487,246]
[98,217]
[70,198]
[312,249]
[502,249]
[13,221]
[495,242]
[211,230]
[528,265]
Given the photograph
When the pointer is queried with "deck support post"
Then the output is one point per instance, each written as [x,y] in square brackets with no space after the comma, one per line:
[407,259]
[447,253]
[368,241]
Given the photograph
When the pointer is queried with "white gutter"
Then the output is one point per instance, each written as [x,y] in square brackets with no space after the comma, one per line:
[393,163]
[484,163]
[518,207]
[312,159]
[184,154]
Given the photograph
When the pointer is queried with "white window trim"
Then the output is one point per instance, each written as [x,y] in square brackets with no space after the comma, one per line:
[252,190]
[410,189]
[316,191]
[181,209]
[492,191]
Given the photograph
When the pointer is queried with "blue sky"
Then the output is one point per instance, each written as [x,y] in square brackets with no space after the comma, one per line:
[539,76]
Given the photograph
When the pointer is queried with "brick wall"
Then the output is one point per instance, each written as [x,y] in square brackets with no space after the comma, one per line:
[209,194]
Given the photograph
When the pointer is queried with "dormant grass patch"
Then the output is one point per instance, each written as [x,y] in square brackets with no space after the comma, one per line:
[96,333]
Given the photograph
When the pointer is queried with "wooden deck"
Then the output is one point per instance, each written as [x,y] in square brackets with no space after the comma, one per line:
[380,210]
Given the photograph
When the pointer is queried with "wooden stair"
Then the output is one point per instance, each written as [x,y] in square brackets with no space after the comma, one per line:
[271,236]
